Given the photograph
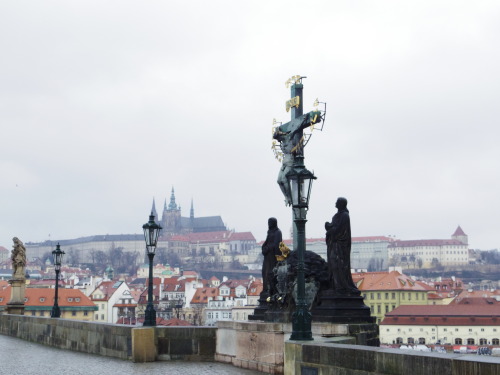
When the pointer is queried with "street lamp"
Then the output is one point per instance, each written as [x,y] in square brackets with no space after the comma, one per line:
[151,232]
[57,255]
[300,183]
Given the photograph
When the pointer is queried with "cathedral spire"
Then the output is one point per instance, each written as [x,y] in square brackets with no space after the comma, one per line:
[172,205]
[153,210]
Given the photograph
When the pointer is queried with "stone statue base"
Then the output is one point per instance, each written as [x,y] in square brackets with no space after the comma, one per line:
[333,308]
[17,292]
[259,311]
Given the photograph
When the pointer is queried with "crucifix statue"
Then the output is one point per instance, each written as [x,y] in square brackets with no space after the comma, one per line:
[291,135]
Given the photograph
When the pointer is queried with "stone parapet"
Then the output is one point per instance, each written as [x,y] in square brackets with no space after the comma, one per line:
[324,357]
[88,337]
[137,343]
[260,345]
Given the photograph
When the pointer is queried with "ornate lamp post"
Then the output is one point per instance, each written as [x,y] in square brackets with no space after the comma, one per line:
[57,255]
[151,232]
[300,183]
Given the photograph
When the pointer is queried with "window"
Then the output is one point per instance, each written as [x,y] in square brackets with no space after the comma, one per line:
[482,329]
[483,341]
[42,299]
[96,317]
[387,296]
[33,313]
[495,342]
[42,313]
[77,299]
[102,316]
[85,313]
[70,299]
[378,309]
[445,329]
[399,340]
[470,329]
[411,340]
[386,308]
[458,341]
[470,341]
[393,296]
[73,313]
[421,340]
[378,295]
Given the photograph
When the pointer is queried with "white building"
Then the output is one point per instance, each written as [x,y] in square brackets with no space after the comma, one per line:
[430,253]
[106,296]
[455,324]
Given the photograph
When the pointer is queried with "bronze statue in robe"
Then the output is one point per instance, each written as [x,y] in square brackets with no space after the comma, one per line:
[270,248]
[338,240]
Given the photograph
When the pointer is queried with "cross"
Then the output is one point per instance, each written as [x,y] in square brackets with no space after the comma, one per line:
[291,134]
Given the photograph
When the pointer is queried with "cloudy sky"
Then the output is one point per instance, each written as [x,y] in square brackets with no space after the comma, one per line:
[107,104]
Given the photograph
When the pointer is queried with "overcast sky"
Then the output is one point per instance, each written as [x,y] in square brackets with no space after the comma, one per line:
[107,104]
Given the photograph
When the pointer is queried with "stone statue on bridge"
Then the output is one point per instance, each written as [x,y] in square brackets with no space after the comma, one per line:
[18,257]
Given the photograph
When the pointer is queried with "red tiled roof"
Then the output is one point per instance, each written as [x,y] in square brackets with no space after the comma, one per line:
[241,236]
[255,288]
[393,280]
[179,238]
[45,297]
[202,295]
[174,322]
[412,243]
[444,315]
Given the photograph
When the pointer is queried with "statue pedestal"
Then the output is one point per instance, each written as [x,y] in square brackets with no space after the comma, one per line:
[259,311]
[341,309]
[16,303]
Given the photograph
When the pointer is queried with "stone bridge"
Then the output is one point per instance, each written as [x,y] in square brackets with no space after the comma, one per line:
[259,346]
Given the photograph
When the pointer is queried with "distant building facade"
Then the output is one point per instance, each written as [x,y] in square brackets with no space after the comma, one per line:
[430,253]
[367,253]
[455,324]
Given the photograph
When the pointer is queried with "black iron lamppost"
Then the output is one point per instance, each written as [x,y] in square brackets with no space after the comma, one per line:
[300,183]
[57,255]
[151,232]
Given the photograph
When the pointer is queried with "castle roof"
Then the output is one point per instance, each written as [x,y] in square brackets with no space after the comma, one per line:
[458,232]
[413,243]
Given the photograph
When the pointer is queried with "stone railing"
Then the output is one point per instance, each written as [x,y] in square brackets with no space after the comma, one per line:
[325,357]
[140,344]
[264,347]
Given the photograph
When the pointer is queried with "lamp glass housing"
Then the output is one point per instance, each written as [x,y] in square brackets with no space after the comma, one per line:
[58,256]
[151,233]
[300,184]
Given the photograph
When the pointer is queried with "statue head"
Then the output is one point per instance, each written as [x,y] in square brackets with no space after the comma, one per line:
[272,223]
[341,203]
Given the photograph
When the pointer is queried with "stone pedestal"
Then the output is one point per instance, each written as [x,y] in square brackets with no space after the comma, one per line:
[259,311]
[341,309]
[260,346]
[16,303]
